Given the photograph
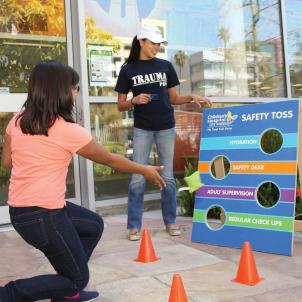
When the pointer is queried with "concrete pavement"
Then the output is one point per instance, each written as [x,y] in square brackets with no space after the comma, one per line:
[206,270]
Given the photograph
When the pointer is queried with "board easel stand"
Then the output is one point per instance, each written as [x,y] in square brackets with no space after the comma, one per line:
[298,223]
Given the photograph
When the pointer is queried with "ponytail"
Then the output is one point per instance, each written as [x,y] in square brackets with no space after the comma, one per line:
[134,51]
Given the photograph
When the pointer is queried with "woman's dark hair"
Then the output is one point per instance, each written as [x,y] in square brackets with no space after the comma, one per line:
[49,97]
[134,51]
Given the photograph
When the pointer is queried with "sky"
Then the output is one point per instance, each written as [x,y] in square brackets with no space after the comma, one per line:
[193,24]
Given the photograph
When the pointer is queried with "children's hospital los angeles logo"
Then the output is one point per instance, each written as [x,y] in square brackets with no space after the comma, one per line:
[221,122]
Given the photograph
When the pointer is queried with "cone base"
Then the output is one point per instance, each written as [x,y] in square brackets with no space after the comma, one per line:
[146,261]
[248,283]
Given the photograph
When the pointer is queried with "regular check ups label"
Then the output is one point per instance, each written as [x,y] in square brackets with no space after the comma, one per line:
[248,164]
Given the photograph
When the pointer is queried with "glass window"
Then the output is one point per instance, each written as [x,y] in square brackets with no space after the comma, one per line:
[219,48]
[30,31]
[4,173]
[113,130]
[230,48]
[293,11]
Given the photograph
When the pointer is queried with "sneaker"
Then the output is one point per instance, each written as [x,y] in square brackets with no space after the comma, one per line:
[134,235]
[173,230]
[82,296]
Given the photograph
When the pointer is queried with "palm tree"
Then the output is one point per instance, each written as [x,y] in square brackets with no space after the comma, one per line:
[236,58]
[224,35]
[180,60]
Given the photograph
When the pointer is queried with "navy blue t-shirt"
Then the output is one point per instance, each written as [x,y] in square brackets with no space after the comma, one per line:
[152,77]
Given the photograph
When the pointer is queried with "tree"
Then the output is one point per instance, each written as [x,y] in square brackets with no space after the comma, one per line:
[236,58]
[224,35]
[180,60]
[17,57]
[34,17]
[257,12]
[96,35]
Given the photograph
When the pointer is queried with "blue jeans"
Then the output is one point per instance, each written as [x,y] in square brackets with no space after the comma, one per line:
[67,237]
[142,143]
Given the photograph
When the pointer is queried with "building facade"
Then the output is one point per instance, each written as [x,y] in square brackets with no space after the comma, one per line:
[232,51]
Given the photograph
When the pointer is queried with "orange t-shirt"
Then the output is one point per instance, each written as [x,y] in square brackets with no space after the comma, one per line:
[40,163]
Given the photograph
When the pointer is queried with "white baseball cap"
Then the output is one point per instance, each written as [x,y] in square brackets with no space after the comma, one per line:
[151,33]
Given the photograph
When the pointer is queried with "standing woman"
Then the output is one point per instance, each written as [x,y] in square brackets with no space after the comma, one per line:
[152,82]
[39,144]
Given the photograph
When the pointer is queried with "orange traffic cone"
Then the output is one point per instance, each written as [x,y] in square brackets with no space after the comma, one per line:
[177,293]
[146,250]
[247,271]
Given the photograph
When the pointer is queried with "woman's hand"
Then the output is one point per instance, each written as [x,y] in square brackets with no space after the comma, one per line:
[201,101]
[141,99]
[151,173]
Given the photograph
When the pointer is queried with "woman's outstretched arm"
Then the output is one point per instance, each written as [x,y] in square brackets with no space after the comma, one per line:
[101,155]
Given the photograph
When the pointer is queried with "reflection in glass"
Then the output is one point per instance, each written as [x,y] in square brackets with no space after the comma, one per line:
[30,31]
[239,54]
[114,130]
[102,59]
[4,173]
[293,11]
[70,186]
[226,48]
[187,139]
[247,61]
